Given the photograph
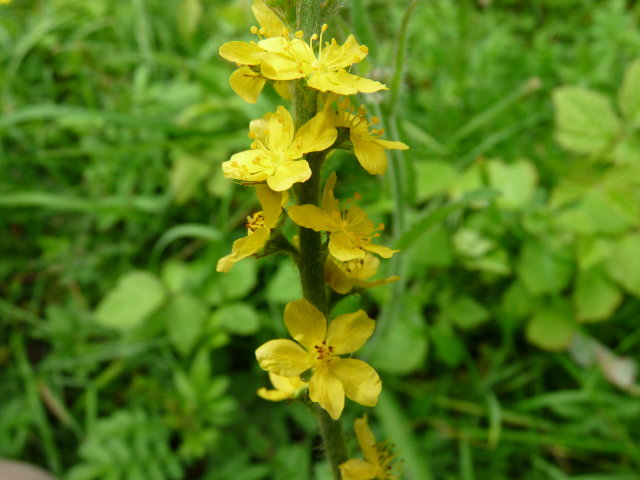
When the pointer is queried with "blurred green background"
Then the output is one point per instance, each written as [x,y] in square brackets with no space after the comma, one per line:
[507,351]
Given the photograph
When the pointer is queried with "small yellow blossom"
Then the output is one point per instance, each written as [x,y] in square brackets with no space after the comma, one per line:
[344,276]
[285,388]
[248,82]
[378,463]
[276,154]
[368,147]
[318,348]
[293,59]
[350,230]
[259,227]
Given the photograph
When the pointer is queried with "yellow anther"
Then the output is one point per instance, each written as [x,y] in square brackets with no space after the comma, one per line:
[375,120]
[314,37]
[254,30]
[324,27]
[299,34]
[285,32]
[364,49]
[252,135]
[262,31]
[357,196]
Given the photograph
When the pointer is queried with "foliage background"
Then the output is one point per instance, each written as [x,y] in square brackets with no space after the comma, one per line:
[124,355]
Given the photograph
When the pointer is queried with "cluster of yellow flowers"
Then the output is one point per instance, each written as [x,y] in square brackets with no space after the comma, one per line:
[318,361]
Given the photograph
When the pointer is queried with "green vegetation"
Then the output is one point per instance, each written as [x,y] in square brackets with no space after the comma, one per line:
[507,350]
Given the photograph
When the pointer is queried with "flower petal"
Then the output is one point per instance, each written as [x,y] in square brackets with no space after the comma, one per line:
[370,154]
[329,202]
[242,53]
[315,135]
[341,247]
[247,84]
[384,252]
[349,332]
[242,248]
[360,381]
[343,83]
[242,166]
[284,357]
[281,131]
[271,204]
[310,216]
[267,19]
[272,395]
[356,469]
[305,323]
[288,173]
[336,278]
[391,145]
[282,88]
[327,390]
[287,384]
[366,439]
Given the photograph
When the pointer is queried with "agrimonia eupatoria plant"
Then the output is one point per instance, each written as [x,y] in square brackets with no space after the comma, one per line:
[335,249]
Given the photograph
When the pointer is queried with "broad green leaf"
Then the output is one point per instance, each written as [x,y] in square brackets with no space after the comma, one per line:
[629,96]
[404,347]
[186,174]
[175,275]
[238,318]
[136,296]
[185,317]
[496,262]
[189,14]
[585,120]
[543,270]
[433,177]
[607,214]
[471,243]
[466,313]
[432,249]
[552,327]
[595,296]
[592,251]
[447,343]
[517,302]
[627,150]
[515,181]
[623,265]
[284,286]
[239,281]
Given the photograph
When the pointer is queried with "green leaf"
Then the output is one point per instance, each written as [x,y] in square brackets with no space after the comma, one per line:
[517,302]
[405,345]
[284,286]
[432,249]
[515,181]
[136,296]
[471,243]
[628,148]
[238,318]
[433,177]
[448,345]
[187,173]
[623,265]
[238,282]
[543,270]
[585,120]
[466,313]
[185,316]
[552,327]
[595,296]
[189,15]
[629,96]
[175,275]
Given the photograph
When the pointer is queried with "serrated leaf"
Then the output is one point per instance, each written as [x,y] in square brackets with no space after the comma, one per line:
[595,296]
[543,270]
[629,96]
[136,296]
[552,327]
[185,316]
[623,265]
[585,120]
[238,318]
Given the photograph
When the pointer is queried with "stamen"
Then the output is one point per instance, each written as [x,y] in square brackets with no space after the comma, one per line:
[254,30]
[299,34]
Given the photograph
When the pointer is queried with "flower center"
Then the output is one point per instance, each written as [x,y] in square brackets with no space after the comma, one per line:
[255,221]
[324,353]
[352,268]
[387,469]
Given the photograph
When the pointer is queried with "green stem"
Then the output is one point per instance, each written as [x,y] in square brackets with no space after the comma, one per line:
[312,254]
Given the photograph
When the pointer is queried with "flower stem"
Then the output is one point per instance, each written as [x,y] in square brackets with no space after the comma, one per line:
[333,438]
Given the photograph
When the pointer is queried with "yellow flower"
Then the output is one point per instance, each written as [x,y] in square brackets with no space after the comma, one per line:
[275,155]
[285,388]
[246,81]
[344,276]
[368,147]
[259,227]
[350,230]
[293,59]
[319,349]
[378,463]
